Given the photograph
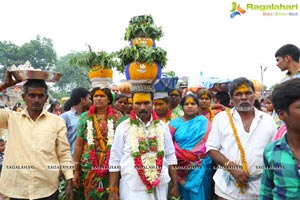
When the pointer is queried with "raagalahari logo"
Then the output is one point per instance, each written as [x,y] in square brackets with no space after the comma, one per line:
[236,10]
[266,9]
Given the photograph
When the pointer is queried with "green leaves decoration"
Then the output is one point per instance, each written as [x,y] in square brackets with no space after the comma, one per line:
[141,53]
[92,58]
[143,26]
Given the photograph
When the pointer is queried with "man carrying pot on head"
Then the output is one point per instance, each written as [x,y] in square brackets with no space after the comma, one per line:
[37,147]
[143,155]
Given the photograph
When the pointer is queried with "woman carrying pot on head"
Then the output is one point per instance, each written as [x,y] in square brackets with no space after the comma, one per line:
[95,134]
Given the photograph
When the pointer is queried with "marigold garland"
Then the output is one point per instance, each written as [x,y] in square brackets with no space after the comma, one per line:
[147,152]
[100,162]
[212,114]
[242,151]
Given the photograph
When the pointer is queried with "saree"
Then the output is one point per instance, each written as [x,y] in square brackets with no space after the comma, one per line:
[194,165]
[94,184]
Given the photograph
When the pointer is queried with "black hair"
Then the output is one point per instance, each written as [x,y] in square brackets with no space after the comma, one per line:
[223,97]
[53,103]
[35,83]
[285,94]
[289,49]
[1,140]
[196,99]
[68,105]
[204,91]
[177,89]
[119,96]
[106,91]
[238,82]
[77,94]
[257,104]
[17,105]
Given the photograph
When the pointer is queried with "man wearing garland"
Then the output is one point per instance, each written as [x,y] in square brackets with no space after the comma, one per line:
[143,154]
[236,143]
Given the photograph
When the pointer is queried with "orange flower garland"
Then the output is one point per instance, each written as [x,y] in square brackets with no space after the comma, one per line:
[242,151]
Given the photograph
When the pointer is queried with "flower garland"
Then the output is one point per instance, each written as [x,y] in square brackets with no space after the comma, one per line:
[168,115]
[147,151]
[212,114]
[242,151]
[94,135]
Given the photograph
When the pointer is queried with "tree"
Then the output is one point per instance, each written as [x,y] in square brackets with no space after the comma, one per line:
[73,76]
[9,55]
[39,52]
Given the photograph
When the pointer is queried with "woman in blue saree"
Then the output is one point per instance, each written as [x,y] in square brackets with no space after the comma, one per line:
[194,165]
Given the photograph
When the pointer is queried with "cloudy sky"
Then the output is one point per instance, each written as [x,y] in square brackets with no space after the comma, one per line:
[199,36]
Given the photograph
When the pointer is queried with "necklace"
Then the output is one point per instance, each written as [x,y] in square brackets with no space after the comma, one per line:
[242,151]
[94,135]
[147,150]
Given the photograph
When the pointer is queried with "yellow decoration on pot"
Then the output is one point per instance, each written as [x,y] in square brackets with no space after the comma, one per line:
[142,41]
[143,71]
[99,72]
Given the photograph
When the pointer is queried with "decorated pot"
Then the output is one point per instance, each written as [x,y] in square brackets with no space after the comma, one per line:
[143,41]
[137,72]
[99,72]
[100,77]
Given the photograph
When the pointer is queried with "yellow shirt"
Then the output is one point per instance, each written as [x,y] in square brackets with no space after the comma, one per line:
[35,151]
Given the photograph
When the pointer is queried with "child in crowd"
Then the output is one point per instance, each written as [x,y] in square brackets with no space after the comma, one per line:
[281,174]
[270,110]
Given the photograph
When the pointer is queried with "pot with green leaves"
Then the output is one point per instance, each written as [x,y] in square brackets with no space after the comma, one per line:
[100,64]
[142,30]
[142,63]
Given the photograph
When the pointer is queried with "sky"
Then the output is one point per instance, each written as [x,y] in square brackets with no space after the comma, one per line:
[199,36]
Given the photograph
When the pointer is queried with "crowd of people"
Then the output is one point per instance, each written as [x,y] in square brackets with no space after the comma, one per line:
[178,144]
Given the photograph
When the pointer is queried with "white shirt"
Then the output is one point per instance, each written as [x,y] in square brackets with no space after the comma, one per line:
[121,159]
[221,138]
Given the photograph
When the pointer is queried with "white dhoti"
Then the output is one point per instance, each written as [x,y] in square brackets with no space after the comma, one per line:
[126,193]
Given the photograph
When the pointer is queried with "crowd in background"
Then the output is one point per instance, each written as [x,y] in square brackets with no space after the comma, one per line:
[223,141]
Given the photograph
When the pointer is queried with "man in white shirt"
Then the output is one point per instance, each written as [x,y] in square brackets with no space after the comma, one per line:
[236,143]
[143,154]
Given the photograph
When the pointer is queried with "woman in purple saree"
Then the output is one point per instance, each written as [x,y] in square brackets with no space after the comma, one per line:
[194,165]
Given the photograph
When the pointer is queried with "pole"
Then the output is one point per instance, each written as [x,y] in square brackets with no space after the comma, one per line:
[262,71]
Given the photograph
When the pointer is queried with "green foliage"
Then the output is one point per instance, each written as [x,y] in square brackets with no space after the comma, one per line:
[141,53]
[39,52]
[143,26]
[92,58]
[169,73]
[73,76]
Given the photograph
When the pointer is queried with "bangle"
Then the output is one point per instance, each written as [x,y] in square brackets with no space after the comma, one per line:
[112,189]
[226,164]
